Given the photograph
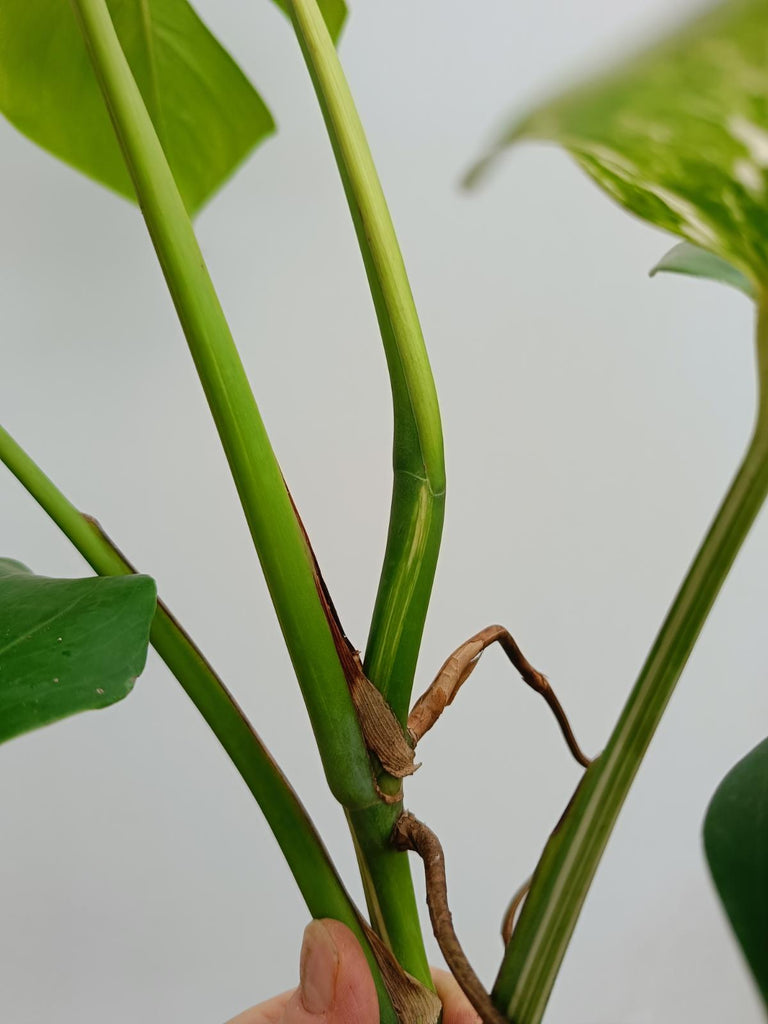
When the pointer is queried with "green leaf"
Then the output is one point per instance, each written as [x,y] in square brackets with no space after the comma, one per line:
[334,14]
[68,645]
[207,114]
[679,134]
[692,261]
[736,844]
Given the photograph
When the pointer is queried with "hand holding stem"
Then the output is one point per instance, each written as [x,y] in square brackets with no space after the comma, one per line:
[336,986]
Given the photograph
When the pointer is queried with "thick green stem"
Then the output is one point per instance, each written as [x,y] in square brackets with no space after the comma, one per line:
[307,858]
[416,517]
[573,852]
[278,539]
[388,886]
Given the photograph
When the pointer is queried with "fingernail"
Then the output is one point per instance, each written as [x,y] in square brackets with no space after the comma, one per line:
[318,967]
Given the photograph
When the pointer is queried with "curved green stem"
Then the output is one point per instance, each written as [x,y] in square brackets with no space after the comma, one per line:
[416,517]
[418,497]
[573,852]
[277,536]
[292,827]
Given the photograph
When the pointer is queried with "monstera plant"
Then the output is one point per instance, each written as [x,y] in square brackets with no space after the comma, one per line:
[142,98]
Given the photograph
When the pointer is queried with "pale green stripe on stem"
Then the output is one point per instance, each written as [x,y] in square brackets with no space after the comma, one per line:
[571,857]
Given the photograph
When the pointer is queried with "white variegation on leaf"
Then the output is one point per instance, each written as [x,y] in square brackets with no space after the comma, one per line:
[678,134]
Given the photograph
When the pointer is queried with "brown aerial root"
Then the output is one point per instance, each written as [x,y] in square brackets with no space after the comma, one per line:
[510,915]
[460,666]
[411,834]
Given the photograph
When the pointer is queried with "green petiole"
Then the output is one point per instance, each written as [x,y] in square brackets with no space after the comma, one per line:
[571,856]
[277,536]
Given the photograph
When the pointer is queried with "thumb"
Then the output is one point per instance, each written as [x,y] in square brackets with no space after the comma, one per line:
[335,982]
[335,985]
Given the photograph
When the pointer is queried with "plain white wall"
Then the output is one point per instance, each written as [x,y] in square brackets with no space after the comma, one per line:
[593,419]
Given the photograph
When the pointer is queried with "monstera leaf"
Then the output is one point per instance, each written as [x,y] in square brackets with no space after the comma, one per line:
[736,844]
[679,134]
[206,113]
[68,645]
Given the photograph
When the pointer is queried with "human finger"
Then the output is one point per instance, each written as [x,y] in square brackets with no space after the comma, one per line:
[456,1006]
[335,985]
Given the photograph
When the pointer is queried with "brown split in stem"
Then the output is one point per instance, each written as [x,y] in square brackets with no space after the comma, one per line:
[381,730]
[411,834]
[460,666]
[508,924]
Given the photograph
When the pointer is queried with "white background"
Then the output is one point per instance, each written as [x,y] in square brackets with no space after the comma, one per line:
[593,419]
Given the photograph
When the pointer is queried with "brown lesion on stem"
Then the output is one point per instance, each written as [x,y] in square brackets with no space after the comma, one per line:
[411,834]
[382,732]
[460,665]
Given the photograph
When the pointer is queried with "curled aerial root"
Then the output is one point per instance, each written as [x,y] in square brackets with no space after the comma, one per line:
[460,665]
[508,923]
